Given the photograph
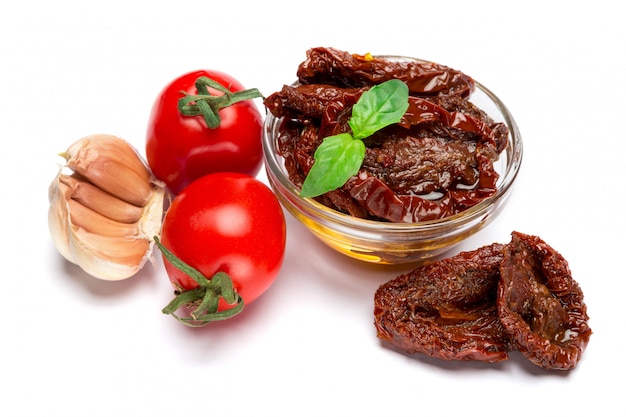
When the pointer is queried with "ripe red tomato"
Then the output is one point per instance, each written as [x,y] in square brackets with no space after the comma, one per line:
[181,148]
[224,223]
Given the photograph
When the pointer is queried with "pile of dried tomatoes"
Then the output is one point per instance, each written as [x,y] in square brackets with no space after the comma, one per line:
[481,304]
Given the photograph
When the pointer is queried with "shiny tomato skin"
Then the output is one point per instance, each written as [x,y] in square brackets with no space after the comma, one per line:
[228,222]
[180,149]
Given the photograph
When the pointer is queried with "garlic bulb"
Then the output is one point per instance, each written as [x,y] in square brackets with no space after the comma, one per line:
[105,212]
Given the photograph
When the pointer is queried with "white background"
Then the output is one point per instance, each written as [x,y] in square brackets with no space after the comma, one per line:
[76,346]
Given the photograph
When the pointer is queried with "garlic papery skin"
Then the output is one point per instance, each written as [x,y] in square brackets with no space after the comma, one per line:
[105,208]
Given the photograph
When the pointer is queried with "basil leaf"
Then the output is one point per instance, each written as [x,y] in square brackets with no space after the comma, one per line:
[339,157]
[380,106]
[336,159]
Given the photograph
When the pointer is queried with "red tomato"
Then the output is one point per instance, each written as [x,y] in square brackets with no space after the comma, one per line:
[182,148]
[226,222]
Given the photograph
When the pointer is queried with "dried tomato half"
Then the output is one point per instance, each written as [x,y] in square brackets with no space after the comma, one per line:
[540,305]
[446,309]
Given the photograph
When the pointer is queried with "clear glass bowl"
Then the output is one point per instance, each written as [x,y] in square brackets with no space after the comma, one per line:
[396,243]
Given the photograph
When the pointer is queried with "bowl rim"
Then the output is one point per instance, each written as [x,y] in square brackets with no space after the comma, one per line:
[514,156]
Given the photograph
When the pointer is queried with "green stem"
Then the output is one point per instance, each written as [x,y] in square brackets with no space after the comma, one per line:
[204,300]
[208,106]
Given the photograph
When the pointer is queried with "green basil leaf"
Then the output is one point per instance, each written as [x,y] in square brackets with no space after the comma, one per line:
[339,157]
[336,159]
[380,106]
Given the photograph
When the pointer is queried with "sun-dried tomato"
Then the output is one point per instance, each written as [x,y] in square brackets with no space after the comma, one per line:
[467,159]
[540,305]
[446,309]
[332,66]
[481,304]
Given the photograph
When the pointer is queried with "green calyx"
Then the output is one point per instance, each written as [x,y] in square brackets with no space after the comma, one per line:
[339,157]
[207,105]
[204,300]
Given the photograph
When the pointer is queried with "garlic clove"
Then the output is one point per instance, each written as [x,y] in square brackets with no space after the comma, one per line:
[103,217]
[110,258]
[94,222]
[99,200]
[113,165]
[111,255]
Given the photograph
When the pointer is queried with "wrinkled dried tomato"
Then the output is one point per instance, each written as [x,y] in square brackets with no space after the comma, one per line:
[481,304]
[446,309]
[406,157]
[540,305]
[332,66]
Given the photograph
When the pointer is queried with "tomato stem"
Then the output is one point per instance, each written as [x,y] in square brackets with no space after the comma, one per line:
[208,105]
[204,300]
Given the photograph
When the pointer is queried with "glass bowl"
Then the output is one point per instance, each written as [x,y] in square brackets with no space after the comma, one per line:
[396,243]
